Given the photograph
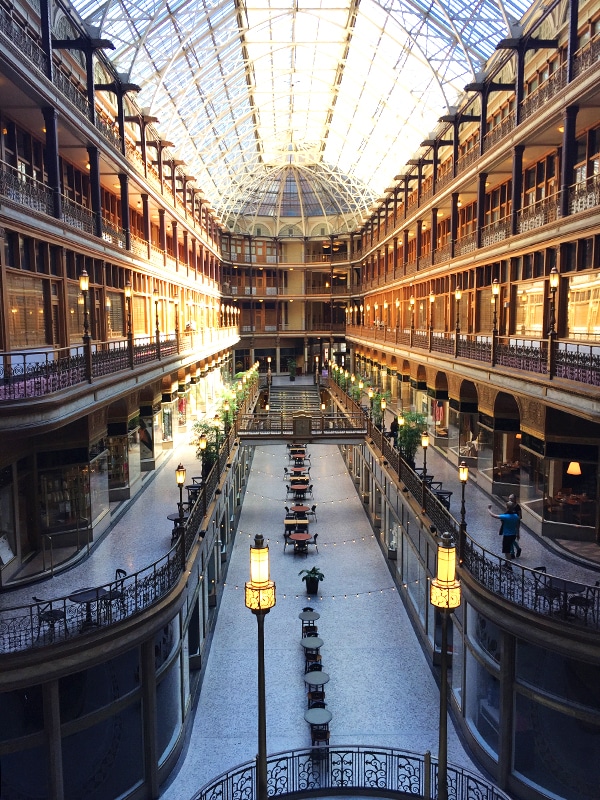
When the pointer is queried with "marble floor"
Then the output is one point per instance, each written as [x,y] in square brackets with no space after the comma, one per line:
[381,690]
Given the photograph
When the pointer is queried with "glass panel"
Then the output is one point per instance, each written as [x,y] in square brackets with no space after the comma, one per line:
[415,579]
[168,709]
[8,546]
[27,317]
[458,659]
[483,635]
[565,678]
[556,751]
[24,773]
[482,703]
[99,486]
[106,759]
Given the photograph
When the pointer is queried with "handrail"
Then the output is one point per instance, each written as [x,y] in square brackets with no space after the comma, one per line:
[528,588]
[25,627]
[353,769]
[39,372]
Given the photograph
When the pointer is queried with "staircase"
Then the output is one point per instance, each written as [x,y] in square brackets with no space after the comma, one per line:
[290,399]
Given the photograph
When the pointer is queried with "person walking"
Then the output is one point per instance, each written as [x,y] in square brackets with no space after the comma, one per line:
[508,528]
[394,427]
[517,509]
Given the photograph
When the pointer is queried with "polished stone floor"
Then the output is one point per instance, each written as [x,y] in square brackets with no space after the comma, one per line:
[381,690]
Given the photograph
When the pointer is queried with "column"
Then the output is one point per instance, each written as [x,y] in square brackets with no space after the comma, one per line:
[517,186]
[569,150]
[125,217]
[95,189]
[52,159]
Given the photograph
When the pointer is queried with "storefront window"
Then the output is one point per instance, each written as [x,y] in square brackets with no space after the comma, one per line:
[555,750]
[415,579]
[8,544]
[437,420]
[133,448]
[65,498]
[482,703]
[529,310]
[583,309]
[99,483]
[571,492]
[27,317]
[532,481]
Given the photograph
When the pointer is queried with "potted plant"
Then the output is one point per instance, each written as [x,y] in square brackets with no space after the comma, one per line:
[292,368]
[312,577]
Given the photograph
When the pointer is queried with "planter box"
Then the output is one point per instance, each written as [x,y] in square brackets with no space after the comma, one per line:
[312,586]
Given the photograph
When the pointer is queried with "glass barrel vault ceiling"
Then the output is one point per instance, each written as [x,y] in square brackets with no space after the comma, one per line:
[345,90]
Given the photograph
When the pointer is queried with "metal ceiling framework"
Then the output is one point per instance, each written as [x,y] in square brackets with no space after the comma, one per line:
[249,88]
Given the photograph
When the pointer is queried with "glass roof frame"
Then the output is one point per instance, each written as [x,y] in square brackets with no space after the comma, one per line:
[244,87]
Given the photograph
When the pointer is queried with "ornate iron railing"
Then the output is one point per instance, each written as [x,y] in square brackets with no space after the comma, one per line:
[499,131]
[533,590]
[530,355]
[586,57]
[77,215]
[476,348]
[495,232]
[276,423]
[24,44]
[351,769]
[24,190]
[544,93]
[466,244]
[59,619]
[538,214]
[37,373]
[578,362]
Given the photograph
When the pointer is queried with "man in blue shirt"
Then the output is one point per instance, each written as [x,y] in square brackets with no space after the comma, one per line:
[509,529]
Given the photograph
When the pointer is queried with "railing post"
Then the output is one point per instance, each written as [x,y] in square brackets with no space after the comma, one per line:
[87,355]
[551,355]
[130,349]
[427,775]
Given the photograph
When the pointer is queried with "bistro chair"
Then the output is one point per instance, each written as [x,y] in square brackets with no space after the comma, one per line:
[318,704]
[319,735]
[584,602]
[314,541]
[309,490]
[315,667]
[116,594]
[312,513]
[311,659]
[315,696]
[48,616]
[286,536]
[308,608]
[542,591]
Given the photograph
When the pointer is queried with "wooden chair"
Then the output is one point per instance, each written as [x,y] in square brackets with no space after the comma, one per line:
[318,704]
[50,617]
[312,513]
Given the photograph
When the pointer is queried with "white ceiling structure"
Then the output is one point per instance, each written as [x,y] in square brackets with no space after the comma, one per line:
[249,89]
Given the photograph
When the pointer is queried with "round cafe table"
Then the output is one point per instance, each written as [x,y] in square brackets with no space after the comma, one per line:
[299,509]
[316,678]
[312,642]
[309,616]
[318,716]
[300,537]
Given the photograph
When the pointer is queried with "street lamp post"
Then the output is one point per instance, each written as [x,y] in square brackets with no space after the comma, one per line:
[128,291]
[180,478]
[202,445]
[554,279]
[317,370]
[370,393]
[445,596]
[463,475]
[260,599]
[383,408]
[269,374]
[156,302]
[84,285]
[457,297]
[226,410]
[431,305]
[217,427]
[495,294]
[424,445]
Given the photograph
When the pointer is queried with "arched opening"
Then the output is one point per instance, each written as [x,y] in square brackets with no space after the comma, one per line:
[463,425]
